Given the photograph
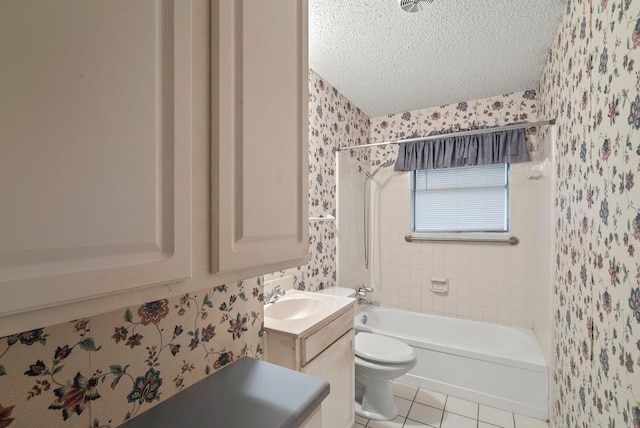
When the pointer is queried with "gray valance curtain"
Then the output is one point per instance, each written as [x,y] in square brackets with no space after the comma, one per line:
[506,146]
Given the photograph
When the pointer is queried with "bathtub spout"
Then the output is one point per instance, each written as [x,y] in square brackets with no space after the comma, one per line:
[362,301]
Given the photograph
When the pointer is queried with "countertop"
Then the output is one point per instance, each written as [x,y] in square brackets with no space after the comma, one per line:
[334,306]
[245,393]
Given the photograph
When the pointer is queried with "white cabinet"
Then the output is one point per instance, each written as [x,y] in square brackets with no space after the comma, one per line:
[259,135]
[101,105]
[336,365]
[95,149]
[326,351]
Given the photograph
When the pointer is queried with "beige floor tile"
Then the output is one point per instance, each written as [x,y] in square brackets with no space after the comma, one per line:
[486,425]
[527,422]
[360,420]
[396,423]
[453,420]
[425,414]
[495,416]
[403,390]
[415,424]
[462,407]
[422,408]
[431,398]
[403,406]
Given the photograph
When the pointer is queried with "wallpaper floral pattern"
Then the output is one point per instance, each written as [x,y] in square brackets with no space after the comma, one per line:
[100,371]
[465,115]
[592,84]
[333,122]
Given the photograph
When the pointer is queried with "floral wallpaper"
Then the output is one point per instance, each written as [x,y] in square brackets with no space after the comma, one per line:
[333,122]
[465,115]
[100,371]
[592,85]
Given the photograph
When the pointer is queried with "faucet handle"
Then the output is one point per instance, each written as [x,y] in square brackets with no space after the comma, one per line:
[364,289]
[275,293]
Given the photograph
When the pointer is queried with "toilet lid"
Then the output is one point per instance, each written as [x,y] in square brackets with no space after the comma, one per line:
[383,349]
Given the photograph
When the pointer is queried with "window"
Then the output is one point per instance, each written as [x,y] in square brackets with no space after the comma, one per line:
[467,199]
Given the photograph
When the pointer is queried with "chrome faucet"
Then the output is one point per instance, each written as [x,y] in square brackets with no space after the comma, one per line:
[362,291]
[275,294]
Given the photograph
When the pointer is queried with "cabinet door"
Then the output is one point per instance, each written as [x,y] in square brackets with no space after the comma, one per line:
[259,135]
[336,365]
[95,146]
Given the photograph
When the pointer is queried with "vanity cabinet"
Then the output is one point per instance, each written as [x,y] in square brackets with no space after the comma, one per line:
[260,136]
[325,351]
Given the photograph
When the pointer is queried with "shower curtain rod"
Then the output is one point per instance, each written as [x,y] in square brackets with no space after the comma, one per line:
[460,133]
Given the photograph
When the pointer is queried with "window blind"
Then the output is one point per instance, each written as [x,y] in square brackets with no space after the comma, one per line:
[466,199]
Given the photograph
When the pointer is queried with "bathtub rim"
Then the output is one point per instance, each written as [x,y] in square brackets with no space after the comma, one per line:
[534,362]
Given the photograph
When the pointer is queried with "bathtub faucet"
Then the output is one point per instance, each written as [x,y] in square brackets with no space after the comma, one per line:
[363,301]
[362,291]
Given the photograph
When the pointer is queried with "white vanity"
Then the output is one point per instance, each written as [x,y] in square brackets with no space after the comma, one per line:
[313,333]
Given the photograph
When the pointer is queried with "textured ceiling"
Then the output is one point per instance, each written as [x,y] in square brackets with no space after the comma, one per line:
[386,60]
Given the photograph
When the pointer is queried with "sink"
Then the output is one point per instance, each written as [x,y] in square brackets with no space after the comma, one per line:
[298,312]
[294,308]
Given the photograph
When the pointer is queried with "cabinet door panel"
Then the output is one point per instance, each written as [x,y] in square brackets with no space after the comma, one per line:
[95,140]
[336,365]
[260,134]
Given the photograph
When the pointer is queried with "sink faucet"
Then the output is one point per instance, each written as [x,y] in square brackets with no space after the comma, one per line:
[275,294]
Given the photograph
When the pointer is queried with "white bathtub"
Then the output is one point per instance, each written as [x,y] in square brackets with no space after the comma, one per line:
[487,363]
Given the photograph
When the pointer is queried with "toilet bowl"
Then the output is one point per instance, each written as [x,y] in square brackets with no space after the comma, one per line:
[379,359]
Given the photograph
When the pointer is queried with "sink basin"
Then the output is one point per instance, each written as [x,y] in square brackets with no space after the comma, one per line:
[298,312]
[294,308]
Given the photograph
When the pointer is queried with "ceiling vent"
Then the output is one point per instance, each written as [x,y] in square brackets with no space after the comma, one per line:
[413,5]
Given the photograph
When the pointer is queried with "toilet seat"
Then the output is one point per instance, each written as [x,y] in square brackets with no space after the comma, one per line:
[382,349]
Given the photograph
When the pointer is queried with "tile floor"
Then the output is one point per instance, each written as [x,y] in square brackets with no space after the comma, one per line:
[421,408]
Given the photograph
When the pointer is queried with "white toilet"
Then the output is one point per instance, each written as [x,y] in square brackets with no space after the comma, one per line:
[379,359]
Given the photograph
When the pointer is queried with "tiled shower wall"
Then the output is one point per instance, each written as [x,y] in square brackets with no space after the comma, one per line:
[487,282]
[592,85]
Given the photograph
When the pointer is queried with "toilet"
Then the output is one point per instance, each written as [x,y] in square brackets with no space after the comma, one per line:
[379,359]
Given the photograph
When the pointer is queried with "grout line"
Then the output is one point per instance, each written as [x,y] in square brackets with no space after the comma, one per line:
[444,409]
